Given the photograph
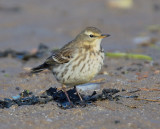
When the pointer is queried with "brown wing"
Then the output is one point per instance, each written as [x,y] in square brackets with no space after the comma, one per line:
[61,56]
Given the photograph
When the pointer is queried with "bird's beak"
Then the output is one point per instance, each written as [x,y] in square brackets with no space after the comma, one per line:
[104,36]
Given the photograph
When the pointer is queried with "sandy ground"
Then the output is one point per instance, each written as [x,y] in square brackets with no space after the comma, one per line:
[26,23]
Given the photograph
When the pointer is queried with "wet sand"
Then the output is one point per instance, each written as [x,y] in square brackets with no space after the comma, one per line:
[25,24]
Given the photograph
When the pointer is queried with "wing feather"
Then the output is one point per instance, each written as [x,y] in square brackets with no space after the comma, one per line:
[60,57]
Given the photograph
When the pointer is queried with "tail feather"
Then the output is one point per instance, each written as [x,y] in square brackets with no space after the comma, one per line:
[39,68]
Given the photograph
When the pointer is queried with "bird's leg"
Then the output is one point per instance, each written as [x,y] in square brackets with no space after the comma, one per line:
[64,89]
[78,94]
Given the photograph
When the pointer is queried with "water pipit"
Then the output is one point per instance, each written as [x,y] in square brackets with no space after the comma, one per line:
[77,62]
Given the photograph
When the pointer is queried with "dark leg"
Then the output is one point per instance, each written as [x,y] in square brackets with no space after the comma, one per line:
[78,94]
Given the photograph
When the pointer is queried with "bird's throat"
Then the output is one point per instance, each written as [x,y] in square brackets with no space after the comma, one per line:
[93,46]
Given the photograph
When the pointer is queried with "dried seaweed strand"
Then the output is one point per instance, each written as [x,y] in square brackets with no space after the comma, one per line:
[147,100]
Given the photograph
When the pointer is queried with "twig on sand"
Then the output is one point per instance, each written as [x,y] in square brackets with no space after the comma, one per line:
[147,89]
[151,100]
[98,80]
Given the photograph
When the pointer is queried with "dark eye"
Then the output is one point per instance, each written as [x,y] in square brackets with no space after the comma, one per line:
[91,35]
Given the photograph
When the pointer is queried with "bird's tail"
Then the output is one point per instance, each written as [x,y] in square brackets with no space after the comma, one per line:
[39,68]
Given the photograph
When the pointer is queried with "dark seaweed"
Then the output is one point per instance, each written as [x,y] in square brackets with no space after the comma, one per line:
[52,94]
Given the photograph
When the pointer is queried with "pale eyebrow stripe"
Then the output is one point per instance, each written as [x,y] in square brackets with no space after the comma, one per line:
[88,33]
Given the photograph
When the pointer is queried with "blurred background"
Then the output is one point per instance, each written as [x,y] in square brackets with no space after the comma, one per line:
[24,24]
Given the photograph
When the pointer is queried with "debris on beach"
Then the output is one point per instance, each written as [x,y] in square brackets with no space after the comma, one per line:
[44,50]
[145,41]
[128,55]
[25,55]
[120,4]
[52,94]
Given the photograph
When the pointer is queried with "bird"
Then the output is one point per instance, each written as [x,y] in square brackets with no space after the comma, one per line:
[77,62]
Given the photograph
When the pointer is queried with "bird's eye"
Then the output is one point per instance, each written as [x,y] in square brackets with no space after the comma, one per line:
[91,35]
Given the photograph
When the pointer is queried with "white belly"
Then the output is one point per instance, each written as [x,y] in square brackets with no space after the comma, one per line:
[81,71]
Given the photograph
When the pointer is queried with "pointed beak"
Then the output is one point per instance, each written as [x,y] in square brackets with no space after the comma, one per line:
[104,36]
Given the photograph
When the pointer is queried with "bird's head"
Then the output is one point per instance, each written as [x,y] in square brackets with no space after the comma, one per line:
[91,37]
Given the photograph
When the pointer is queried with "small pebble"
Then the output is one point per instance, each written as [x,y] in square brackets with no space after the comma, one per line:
[17,88]
[117,121]
[3,71]
[49,120]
